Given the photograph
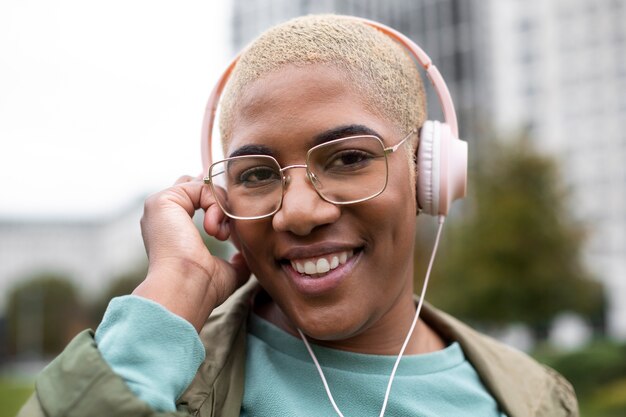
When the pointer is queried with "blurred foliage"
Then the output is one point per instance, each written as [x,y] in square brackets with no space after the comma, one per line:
[515,254]
[598,374]
[121,285]
[13,395]
[43,314]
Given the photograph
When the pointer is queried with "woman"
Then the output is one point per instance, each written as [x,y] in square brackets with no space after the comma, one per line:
[325,222]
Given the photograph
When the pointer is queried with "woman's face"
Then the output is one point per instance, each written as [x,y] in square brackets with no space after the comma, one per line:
[286,113]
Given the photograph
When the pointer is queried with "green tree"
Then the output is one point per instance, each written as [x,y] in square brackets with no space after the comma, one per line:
[43,314]
[515,255]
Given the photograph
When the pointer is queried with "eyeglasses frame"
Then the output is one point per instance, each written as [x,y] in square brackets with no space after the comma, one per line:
[310,175]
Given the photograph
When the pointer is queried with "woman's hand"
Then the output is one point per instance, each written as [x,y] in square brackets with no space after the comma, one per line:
[183,276]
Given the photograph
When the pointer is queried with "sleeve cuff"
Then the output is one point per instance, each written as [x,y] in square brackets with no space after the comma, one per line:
[156,352]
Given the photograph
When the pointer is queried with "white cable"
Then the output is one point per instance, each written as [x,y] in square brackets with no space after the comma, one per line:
[319,370]
[417,313]
[404,345]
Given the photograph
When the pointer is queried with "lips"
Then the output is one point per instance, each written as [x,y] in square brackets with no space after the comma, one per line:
[318,269]
[320,265]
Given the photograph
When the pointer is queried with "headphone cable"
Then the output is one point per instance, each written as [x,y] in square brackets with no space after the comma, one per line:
[404,345]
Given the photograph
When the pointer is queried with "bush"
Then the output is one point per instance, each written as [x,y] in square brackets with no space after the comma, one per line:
[598,374]
[43,314]
[610,401]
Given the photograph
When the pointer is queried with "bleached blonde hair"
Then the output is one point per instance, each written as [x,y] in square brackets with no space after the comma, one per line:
[379,69]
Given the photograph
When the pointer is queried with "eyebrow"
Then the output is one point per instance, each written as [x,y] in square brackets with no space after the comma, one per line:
[344,132]
[331,134]
[251,150]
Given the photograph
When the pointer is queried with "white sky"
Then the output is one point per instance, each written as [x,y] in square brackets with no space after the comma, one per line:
[102,102]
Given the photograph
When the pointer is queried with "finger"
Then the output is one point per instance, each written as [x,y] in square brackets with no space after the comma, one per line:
[224,233]
[235,272]
[183,179]
[192,194]
[184,194]
[212,219]
[215,220]
[208,198]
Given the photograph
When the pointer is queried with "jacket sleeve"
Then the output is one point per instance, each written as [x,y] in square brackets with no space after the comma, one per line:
[154,351]
[80,383]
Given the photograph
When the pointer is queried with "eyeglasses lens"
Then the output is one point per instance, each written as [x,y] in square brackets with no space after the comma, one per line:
[342,171]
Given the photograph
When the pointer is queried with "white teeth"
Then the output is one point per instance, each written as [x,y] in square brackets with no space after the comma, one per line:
[343,257]
[309,268]
[321,265]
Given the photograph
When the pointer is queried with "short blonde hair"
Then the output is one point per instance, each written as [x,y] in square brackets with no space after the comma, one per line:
[380,69]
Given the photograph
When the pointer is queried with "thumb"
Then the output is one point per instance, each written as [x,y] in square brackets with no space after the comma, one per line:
[235,273]
[242,272]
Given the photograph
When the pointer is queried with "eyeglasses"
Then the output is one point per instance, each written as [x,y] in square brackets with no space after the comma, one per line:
[342,171]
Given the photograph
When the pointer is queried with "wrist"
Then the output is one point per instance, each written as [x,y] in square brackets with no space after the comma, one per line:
[183,287]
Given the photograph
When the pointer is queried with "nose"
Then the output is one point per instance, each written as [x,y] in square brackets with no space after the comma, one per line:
[303,209]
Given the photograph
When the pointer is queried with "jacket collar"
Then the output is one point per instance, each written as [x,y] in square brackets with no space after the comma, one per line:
[518,384]
[499,367]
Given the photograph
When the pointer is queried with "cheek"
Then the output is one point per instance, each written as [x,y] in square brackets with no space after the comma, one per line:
[397,220]
[251,238]
[396,213]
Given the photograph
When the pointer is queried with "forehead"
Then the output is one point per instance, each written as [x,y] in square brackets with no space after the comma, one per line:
[292,107]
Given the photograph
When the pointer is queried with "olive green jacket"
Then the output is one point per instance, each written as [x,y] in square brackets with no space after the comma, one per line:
[80,383]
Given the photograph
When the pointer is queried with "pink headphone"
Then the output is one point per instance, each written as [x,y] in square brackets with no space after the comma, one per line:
[441,155]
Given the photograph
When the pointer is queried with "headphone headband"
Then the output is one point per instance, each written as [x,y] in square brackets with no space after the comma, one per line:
[432,72]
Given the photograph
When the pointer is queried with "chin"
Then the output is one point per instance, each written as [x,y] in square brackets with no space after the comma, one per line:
[331,325]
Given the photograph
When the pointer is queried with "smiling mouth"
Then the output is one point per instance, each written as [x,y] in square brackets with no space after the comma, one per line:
[321,265]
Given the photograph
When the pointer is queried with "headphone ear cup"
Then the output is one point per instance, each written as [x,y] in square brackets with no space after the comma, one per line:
[441,168]
[428,168]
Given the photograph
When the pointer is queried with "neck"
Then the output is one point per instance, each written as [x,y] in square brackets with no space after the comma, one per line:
[384,336]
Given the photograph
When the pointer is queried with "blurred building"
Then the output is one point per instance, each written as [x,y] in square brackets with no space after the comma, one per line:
[444,29]
[555,70]
[90,253]
[558,69]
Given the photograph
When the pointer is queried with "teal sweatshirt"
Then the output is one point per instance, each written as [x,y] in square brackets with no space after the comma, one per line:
[281,380]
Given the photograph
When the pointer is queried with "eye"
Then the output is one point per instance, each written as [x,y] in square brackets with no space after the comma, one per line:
[349,159]
[258,176]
